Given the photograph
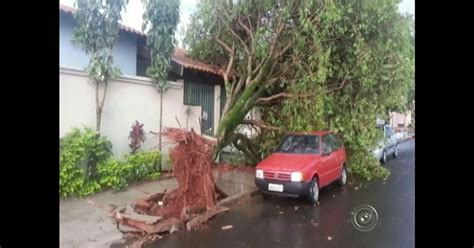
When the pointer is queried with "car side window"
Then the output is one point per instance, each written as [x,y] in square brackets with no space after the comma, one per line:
[388,132]
[326,144]
[336,144]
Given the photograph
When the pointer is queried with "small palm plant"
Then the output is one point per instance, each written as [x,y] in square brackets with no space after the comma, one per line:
[137,136]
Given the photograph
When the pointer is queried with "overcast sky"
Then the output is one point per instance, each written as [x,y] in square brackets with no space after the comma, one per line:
[133,15]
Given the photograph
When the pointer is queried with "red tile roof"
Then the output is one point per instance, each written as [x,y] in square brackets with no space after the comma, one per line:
[179,56]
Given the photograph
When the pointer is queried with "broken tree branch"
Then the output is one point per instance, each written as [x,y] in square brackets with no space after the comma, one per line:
[262,125]
[344,81]
[159,227]
[282,95]
[234,34]
[239,86]
[224,45]
[280,28]
[247,29]
[205,216]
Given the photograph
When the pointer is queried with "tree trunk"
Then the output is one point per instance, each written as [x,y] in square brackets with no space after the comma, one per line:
[161,125]
[99,104]
[235,115]
[226,105]
[97,108]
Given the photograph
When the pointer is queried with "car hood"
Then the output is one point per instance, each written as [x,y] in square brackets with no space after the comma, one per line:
[288,162]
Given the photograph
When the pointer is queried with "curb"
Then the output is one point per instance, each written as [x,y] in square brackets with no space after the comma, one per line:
[227,202]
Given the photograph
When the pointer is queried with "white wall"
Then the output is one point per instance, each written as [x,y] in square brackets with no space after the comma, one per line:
[128,99]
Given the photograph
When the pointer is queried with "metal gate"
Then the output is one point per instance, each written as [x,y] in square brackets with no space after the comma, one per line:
[200,94]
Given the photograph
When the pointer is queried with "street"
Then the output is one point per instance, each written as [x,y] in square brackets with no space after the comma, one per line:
[286,222]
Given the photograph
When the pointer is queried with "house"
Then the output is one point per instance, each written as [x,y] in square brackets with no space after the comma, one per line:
[192,101]
[400,120]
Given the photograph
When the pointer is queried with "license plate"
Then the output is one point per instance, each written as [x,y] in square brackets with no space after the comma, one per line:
[275,187]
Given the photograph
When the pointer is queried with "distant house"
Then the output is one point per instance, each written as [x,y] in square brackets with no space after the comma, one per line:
[400,120]
[194,100]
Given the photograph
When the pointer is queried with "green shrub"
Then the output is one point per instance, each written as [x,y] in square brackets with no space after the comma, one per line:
[87,167]
[114,174]
[142,164]
[139,166]
[363,166]
[154,175]
[89,187]
[80,152]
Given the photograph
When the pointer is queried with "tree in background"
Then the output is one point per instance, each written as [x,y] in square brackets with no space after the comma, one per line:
[96,32]
[161,18]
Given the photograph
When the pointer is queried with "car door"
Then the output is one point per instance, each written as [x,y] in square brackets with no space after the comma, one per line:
[338,157]
[327,161]
[391,141]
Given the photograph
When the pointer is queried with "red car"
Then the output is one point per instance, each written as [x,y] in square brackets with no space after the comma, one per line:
[302,164]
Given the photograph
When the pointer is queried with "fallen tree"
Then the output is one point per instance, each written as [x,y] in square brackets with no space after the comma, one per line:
[307,65]
[191,204]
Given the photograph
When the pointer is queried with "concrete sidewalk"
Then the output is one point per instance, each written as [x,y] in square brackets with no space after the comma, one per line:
[86,222]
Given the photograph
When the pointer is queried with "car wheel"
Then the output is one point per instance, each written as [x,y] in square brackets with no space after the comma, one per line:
[383,160]
[395,152]
[314,191]
[343,179]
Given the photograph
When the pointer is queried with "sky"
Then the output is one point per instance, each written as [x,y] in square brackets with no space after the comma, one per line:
[134,11]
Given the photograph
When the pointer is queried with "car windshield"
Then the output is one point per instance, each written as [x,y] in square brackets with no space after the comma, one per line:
[303,144]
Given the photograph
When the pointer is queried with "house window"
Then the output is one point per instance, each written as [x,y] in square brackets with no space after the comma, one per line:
[143,57]
[201,94]
[142,65]
[192,93]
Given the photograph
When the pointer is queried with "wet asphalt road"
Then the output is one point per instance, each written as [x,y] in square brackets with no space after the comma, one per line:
[286,222]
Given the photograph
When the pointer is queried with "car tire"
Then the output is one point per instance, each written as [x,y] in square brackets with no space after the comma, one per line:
[314,191]
[395,151]
[343,178]
[383,159]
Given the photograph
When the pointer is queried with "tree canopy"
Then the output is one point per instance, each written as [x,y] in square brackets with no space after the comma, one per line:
[308,65]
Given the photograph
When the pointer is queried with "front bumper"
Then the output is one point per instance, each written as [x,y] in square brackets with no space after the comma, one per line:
[290,189]
[378,154]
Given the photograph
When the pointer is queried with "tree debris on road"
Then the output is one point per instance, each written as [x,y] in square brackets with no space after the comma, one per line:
[226,227]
